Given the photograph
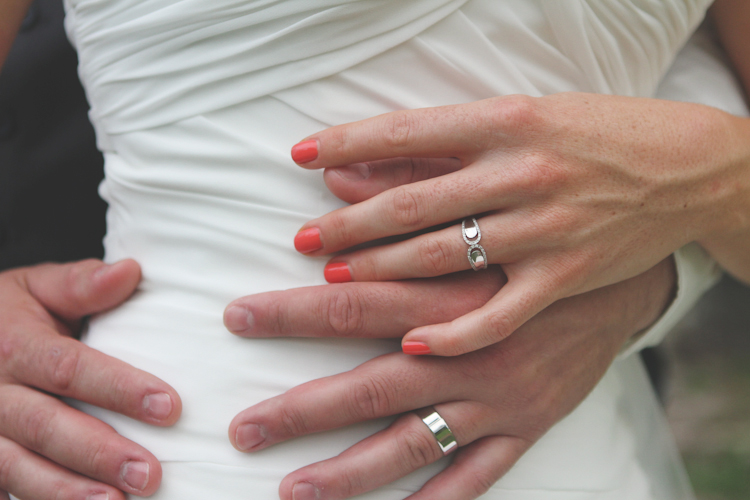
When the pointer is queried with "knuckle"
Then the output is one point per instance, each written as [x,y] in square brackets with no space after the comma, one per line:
[345,313]
[8,462]
[371,397]
[340,228]
[407,207]
[400,128]
[435,256]
[102,457]
[351,482]
[39,428]
[75,282]
[541,173]
[482,479]
[278,315]
[292,422]
[516,112]
[62,367]
[497,326]
[337,140]
[416,449]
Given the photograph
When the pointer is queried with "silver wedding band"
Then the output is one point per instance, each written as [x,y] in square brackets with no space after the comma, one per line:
[476,254]
[443,435]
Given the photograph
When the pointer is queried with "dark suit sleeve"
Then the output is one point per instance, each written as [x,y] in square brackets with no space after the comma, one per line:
[49,165]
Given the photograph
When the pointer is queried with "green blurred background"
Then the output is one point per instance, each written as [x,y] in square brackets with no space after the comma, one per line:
[707,391]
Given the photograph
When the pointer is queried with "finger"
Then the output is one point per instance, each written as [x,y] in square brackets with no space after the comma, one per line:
[474,469]
[441,132]
[361,181]
[65,367]
[77,441]
[30,477]
[433,254]
[405,209]
[71,291]
[405,446]
[385,386]
[383,310]
[519,300]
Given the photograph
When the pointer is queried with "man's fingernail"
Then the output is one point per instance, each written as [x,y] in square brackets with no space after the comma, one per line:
[337,273]
[415,348]
[305,491]
[249,436]
[355,171]
[305,151]
[98,496]
[104,269]
[238,319]
[135,474]
[158,405]
[308,240]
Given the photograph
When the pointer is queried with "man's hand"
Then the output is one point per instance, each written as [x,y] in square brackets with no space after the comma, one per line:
[497,401]
[47,449]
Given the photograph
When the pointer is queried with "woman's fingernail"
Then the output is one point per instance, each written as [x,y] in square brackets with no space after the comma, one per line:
[415,348]
[305,491]
[135,474]
[355,171]
[238,319]
[308,240]
[158,405]
[337,273]
[249,436]
[305,151]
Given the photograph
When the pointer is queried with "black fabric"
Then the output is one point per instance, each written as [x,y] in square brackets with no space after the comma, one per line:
[49,165]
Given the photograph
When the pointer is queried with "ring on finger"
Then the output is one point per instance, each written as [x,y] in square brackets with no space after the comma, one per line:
[439,428]
[476,254]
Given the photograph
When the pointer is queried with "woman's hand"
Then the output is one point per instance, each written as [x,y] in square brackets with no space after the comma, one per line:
[572,192]
[48,449]
[497,401]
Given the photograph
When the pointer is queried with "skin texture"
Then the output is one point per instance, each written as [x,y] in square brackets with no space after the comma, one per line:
[32,476]
[568,197]
[498,400]
[47,449]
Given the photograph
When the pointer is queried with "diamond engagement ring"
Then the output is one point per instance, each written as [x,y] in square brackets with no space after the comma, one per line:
[476,254]
[443,435]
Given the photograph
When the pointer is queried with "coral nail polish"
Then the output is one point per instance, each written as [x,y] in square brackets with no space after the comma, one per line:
[415,348]
[305,151]
[337,273]
[308,240]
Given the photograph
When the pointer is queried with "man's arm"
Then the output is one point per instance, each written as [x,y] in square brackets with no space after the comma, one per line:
[47,449]
[732,19]
[12,13]
[49,210]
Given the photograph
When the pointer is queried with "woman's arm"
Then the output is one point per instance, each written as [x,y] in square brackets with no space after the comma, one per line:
[732,248]
[572,192]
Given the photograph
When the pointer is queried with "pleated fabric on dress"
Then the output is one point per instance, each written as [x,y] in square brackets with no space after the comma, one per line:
[196,106]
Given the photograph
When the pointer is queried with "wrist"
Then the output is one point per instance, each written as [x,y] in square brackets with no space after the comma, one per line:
[727,238]
[728,190]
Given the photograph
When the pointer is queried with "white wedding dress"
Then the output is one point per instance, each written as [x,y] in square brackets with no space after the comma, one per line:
[197,103]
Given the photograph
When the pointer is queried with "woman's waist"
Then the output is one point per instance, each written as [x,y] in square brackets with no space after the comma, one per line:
[216,373]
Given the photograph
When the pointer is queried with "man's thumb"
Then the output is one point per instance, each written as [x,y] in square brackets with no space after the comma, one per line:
[71,291]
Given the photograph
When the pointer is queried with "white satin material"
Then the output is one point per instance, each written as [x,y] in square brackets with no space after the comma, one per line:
[196,105]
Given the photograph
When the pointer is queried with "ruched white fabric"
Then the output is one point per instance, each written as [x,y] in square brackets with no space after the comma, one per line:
[196,105]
